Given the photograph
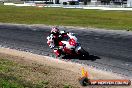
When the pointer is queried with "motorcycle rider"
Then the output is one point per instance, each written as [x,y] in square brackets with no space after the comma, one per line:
[54,40]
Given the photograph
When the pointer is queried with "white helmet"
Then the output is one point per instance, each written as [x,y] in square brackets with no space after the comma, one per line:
[55,30]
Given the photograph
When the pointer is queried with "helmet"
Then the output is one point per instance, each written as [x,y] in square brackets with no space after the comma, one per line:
[55,30]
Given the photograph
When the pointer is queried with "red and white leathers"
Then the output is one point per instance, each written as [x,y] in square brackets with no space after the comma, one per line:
[50,41]
[54,42]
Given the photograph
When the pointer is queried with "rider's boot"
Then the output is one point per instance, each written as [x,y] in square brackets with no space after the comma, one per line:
[57,52]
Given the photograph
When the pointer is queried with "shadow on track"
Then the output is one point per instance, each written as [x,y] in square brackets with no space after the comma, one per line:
[87,57]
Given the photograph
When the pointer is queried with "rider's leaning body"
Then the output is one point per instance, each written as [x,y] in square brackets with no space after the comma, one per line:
[54,39]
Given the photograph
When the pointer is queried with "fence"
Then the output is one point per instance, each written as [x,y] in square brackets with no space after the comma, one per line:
[99,7]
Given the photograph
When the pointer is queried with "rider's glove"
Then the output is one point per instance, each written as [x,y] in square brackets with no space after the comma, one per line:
[51,46]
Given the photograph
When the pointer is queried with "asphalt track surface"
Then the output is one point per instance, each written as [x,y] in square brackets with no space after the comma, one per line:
[114,48]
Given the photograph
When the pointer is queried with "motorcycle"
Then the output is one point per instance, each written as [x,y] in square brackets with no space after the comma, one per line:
[69,45]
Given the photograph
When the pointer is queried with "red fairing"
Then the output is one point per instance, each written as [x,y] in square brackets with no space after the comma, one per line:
[72,42]
[60,44]
[67,50]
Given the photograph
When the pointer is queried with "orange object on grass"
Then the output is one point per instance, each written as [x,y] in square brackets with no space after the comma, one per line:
[84,73]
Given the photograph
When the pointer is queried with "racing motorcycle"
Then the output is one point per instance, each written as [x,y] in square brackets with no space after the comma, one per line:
[69,45]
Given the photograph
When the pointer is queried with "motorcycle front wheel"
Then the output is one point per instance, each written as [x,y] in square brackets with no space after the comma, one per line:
[83,52]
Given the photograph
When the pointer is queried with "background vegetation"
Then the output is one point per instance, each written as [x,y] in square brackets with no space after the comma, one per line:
[68,17]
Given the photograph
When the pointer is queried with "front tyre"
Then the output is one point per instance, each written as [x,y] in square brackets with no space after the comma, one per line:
[83,52]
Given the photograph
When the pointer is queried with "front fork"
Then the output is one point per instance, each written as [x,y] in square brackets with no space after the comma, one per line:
[77,49]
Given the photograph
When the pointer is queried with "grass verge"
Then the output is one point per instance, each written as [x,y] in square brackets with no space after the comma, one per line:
[25,70]
[14,74]
[69,17]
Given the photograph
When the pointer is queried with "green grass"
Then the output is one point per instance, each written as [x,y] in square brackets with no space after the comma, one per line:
[67,86]
[11,78]
[15,74]
[68,17]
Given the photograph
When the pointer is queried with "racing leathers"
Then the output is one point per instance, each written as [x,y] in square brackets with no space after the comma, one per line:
[54,42]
